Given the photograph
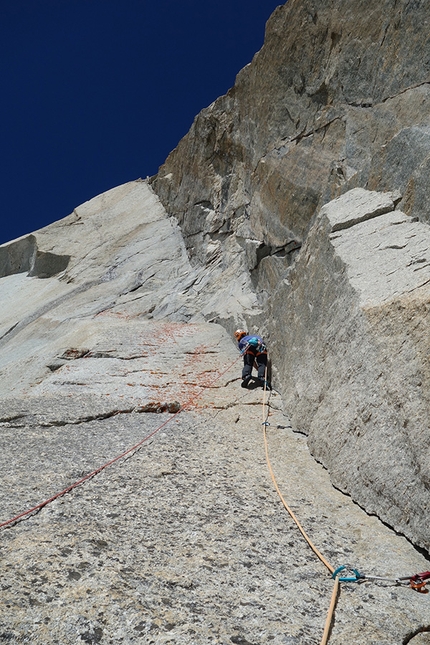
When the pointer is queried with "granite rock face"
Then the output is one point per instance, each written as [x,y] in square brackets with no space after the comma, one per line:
[295,206]
[183,539]
[337,99]
[352,332]
[122,258]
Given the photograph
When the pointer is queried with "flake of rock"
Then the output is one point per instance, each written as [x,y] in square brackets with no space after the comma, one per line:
[355,371]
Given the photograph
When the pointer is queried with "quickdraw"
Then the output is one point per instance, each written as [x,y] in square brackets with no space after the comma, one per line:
[417,582]
[278,425]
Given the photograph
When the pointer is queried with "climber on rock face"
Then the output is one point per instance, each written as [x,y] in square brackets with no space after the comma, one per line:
[254,350]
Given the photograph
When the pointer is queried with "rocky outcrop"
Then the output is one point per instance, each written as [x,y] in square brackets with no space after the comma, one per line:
[22,255]
[352,336]
[336,98]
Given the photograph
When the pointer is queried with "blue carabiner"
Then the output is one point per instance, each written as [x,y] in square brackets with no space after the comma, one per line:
[356,578]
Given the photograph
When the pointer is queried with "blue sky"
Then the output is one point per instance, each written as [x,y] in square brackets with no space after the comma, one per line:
[98,92]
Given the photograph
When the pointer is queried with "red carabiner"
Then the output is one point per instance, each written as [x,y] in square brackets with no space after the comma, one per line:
[419,581]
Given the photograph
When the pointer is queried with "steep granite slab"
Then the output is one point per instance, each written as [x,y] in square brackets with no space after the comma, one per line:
[352,337]
[126,259]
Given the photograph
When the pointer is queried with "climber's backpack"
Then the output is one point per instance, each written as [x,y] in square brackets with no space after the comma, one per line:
[256,344]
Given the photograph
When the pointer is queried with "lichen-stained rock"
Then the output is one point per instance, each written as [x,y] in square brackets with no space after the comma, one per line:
[352,333]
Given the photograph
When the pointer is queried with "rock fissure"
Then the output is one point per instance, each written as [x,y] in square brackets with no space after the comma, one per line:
[87,419]
[412,636]
[305,134]
[118,357]
[14,417]
[423,266]
[406,90]
[9,330]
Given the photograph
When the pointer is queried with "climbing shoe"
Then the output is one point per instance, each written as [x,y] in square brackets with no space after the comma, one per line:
[245,381]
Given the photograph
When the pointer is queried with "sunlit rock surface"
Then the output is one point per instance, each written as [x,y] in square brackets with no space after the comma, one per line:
[183,540]
[120,315]
[352,343]
[336,99]
[126,258]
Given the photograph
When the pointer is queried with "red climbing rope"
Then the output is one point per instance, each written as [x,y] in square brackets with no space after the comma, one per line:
[92,474]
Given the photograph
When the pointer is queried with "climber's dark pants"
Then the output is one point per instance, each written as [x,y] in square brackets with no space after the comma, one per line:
[248,362]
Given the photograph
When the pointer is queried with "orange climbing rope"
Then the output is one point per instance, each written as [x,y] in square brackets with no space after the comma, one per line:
[417,582]
[318,553]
